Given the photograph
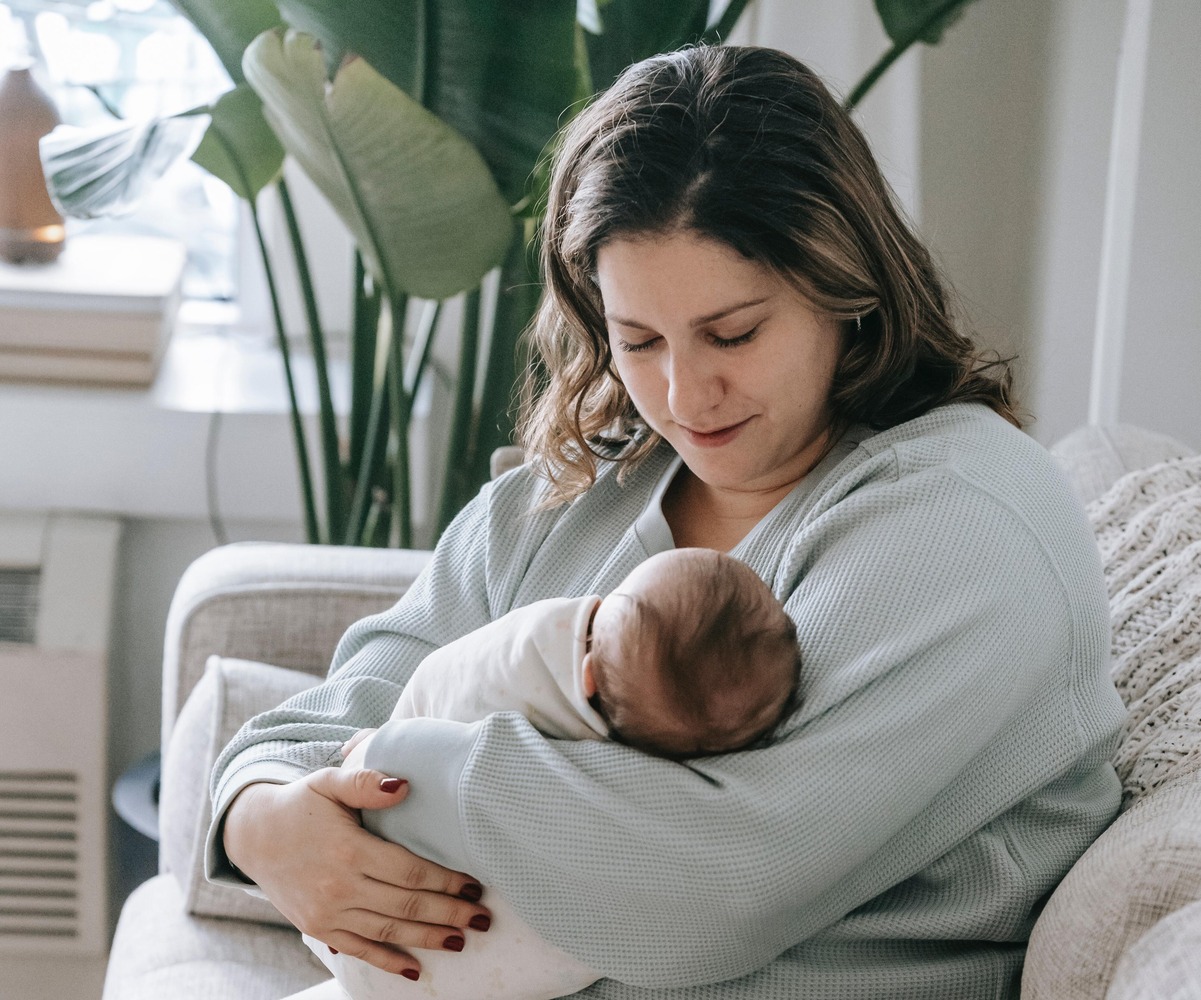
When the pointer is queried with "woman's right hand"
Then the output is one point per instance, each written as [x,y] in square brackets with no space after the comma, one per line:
[303,844]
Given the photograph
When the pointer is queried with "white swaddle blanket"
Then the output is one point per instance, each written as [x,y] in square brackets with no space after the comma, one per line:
[509,962]
[529,662]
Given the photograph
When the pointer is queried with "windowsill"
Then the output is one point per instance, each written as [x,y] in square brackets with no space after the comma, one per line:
[212,366]
[142,453]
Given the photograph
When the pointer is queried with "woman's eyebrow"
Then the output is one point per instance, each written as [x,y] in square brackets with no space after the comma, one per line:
[699,321]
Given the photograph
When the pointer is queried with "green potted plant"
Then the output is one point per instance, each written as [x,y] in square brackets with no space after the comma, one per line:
[907,22]
[425,124]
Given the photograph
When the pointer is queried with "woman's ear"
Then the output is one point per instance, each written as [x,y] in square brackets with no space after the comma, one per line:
[587,678]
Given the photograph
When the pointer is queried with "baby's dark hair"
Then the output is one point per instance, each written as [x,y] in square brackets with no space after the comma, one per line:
[706,665]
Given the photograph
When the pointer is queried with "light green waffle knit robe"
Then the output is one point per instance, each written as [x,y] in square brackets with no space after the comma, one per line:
[948,763]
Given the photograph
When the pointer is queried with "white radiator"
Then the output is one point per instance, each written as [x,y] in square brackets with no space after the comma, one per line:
[57,575]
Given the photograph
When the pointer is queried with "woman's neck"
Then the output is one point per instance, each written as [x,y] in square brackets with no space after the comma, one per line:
[702,516]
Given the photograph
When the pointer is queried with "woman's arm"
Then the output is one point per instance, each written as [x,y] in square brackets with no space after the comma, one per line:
[950,669]
[306,732]
[288,821]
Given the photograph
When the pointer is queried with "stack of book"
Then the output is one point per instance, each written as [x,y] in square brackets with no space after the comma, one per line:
[101,314]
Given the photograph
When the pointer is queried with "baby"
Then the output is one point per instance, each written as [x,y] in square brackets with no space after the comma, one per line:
[690,655]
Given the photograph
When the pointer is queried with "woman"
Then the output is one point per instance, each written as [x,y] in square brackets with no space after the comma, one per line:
[747,350]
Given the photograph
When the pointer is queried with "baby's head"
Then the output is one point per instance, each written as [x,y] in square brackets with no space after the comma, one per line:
[691,655]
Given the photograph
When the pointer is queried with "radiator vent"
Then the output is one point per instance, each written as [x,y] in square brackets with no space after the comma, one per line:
[57,574]
[39,855]
[18,604]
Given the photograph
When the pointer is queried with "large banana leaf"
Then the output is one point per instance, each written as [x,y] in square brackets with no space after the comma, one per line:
[418,198]
[239,146]
[907,21]
[631,30]
[230,26]
[103,171]
[499,73]
[107,170]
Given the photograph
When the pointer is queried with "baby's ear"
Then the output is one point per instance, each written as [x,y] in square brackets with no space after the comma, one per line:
[587,678]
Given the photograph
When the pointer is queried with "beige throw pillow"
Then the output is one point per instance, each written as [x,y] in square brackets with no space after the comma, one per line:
[230,692]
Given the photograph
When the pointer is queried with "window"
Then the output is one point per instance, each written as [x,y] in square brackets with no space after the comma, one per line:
[136,59]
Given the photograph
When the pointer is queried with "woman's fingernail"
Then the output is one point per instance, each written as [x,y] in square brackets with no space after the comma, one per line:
[453,943]
[392,785]
[332,950]
[480,922]
[412,974]
[471,892]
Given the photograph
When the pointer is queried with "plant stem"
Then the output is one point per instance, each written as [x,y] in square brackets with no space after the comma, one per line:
[302,451]
[335,487]
[421,64]
[420,354]
[516,303]
[899,48]
[460,432]
[108,106]
[583,67]
[402,513]
[393,314]
[312,531]
[371,527]
[375,422]
[364,335]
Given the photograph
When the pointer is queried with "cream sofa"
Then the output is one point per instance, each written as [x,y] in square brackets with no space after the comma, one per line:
[1125,923]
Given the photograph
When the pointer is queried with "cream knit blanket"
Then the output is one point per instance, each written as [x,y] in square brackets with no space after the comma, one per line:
[1148,528]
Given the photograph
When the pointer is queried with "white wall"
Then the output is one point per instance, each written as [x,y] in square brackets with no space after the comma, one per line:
[982,99]
[1161,384]
[1077,120]
[1017,108]
[997,141]
[840,41]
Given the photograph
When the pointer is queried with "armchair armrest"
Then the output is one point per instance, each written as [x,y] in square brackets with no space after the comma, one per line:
[284,604]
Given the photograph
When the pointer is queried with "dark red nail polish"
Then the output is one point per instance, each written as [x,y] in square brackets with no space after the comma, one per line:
[392,785]
[332,950]
[480,922]
[412,974]
[453,943]
[471,892]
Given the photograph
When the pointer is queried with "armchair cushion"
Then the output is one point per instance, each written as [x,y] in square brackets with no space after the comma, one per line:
[1094,458]
[1147,864]
[229,693]
[1162,965]
[274,603]
[161,952]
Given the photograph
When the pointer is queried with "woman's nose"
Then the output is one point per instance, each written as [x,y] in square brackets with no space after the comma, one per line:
[694,388]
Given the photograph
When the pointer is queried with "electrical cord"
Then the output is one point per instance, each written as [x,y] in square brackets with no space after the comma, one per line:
[216,523]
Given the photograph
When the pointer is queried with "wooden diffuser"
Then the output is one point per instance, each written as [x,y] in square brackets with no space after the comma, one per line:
[31,229]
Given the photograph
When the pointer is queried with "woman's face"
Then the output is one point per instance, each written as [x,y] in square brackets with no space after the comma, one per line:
[720,356]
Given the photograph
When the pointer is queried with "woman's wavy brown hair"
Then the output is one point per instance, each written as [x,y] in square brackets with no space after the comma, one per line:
[745,146]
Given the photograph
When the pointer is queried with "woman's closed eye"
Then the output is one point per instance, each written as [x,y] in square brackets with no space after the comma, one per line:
[632,347]
[742,338]
[628,347]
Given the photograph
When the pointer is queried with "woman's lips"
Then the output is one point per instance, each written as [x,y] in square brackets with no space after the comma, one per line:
[716,438]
